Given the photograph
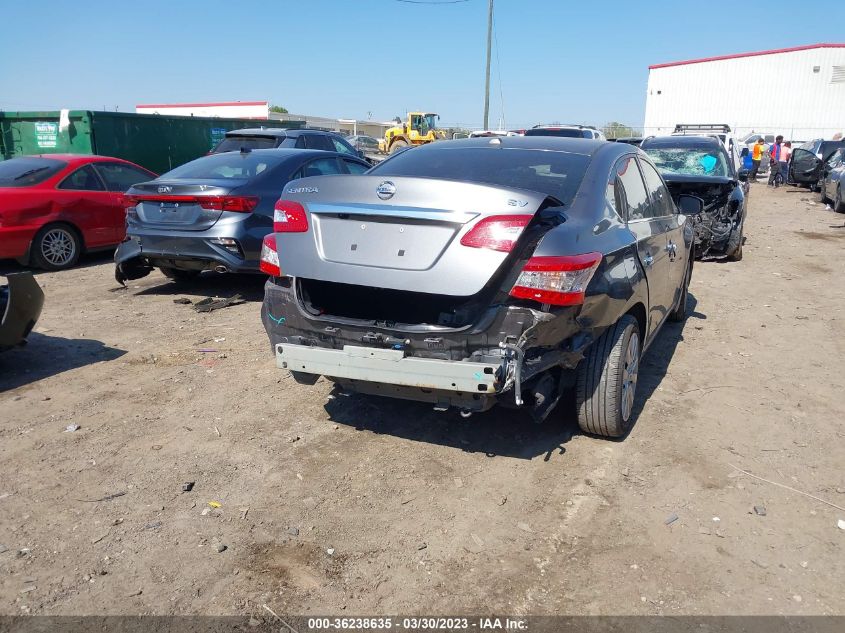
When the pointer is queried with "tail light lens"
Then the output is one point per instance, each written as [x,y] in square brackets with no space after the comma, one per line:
[498,233]
[289,217]
[270,257]
[238,204]
[560,281]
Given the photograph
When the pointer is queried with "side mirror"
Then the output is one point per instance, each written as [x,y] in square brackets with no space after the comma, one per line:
[743,175]
[690,205]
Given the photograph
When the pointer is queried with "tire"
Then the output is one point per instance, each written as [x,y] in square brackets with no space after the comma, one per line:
[680,312]
[838,203]
[397,146]
[176,274]
[606,380]
[56,247]
[735,245]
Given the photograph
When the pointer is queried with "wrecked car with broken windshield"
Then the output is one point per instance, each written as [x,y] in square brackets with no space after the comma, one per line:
[468,273]
[700,167]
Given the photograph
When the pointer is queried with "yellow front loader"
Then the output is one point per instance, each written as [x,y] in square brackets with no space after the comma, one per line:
[420,128]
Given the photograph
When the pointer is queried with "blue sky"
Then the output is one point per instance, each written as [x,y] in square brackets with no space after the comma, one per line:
[555,60]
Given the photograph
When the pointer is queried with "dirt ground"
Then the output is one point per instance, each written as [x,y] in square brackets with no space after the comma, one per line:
[359,505]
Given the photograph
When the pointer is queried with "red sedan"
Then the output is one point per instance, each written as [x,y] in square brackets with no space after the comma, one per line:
[54,207]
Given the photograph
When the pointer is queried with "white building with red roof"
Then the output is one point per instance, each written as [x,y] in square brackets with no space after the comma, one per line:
[798,92]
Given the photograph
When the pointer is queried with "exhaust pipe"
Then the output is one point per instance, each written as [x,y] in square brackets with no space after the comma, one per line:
[466,413]
[220,268]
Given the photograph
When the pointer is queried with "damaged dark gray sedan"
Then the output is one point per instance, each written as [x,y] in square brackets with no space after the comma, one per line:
[700,167]
[468,273]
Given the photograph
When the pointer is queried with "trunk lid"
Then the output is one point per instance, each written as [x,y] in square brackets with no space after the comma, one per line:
[179,204]
[398,233]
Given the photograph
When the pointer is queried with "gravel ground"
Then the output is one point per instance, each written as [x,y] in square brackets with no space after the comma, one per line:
[311,502]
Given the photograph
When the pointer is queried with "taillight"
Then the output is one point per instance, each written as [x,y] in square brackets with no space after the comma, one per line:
[560,281]
[270,257]
[498,232]
[238,204]
[289,217]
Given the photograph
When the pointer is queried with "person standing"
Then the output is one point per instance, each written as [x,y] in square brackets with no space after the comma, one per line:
[756,157]
[774,161]
[785,154]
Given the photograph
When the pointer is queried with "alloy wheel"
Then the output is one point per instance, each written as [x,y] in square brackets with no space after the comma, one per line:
[630,371]
[58,247]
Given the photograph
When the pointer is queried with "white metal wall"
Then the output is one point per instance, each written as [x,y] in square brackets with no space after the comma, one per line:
[778,93]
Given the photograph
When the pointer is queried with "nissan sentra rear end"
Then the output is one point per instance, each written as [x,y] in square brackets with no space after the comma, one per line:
[427,279]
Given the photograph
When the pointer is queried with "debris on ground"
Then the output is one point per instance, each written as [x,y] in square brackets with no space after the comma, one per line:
[209,304]
[293,531]
[330,551]
[221,548]
[760,511]
[137,592]
[244,512]
[182,301]
[422,546]
[840,524]
[70,428]
[3,548]
[188,486]
[214,504]
[24,551]
[670,519]
[106,498]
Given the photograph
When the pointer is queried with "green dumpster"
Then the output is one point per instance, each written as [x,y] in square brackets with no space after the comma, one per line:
[156,142]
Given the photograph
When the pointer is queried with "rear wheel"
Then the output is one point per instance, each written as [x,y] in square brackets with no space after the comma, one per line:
[56,247]
[177,274]
[606,380]
[397,146]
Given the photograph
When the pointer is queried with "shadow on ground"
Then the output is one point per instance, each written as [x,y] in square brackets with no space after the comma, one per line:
[44,356]
[655,363]
[87,260]
[500,431]
[250,287]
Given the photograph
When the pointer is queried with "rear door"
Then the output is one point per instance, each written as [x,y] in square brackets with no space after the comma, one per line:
[84,200]
[632,197]
[805,166]
[118,178]
[665,216]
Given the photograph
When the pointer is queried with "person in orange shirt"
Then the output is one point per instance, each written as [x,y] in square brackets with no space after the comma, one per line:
[756,157]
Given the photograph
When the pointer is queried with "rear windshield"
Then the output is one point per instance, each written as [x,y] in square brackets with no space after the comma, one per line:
[689,162]
[556,174]
[28,170]
[567,132]
[235,165]
[235,143]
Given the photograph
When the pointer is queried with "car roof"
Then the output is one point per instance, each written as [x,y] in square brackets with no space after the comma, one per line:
[584,146]
[289,152]
[273,131]
[79,159]
[682,140]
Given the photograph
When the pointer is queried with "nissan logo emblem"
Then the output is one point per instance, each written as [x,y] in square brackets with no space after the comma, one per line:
[386,190]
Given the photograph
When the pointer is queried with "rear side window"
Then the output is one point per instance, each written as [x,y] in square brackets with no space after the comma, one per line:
[235,143]
[661,201]
[83,179]
[355,167]
[119,177]
[341,147]
[235,165]
[556,174]
[318,141]
[320,167]
[26,171]
[630,191]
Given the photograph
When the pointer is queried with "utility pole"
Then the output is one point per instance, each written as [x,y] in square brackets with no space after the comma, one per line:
[487,78]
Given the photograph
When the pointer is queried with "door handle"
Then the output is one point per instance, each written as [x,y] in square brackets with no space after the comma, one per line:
[648,260]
